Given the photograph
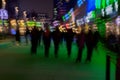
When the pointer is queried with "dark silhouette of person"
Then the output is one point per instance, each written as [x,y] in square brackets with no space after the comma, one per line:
[40,31]
[56,35]
[46,39]
[96,37]
[111,41]
[17,36]
[62,39]
[80,39]
[34,40]
[89,45]
[27,34]
[69,39]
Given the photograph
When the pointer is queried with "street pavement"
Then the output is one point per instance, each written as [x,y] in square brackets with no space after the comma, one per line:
[16,63]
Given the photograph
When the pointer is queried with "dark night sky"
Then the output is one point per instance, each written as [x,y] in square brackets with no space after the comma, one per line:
[42,6]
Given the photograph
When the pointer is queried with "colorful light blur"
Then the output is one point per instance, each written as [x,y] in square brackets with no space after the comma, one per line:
[3,14]
[38,24]
[13,23]
[103,3]
[67,15]
[90,7]
[21,23]
[118,21]
[30,23]
[79,3]
[98,4]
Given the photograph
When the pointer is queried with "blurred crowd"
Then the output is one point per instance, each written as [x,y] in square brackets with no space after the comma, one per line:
[82,36]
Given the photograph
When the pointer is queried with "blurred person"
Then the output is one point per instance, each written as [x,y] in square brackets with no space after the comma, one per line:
[40,31]
[34,40]
[56,35]
[96,37]
[17,36]
[80,36]
[89,44]
[62,32]
[69,39]
[46,39]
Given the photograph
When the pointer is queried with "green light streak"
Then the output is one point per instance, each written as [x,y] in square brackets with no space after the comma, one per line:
[98,4]
[111,1]
[63,18]
[103,3]
[93,14]
[30,23]
[107,2]
[115,0]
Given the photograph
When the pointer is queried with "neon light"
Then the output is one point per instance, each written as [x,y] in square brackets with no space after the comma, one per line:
[68,15]
[107,2]
[30,23]
[103,3]
[79,3]
[38,24]
[80,21]
[90,7]
[67,25]
[90,16]
[63,18]
[0,22]
[56,23]
[3,14]
[71,10]
[13,23]
[5,22]
[111,1]
[98,4]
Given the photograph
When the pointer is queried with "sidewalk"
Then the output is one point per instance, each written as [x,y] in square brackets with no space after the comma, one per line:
[16,63]
[4,43]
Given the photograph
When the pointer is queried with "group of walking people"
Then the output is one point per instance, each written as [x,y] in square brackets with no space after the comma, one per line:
[83,38]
